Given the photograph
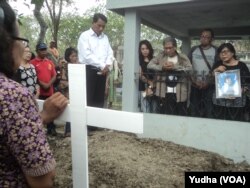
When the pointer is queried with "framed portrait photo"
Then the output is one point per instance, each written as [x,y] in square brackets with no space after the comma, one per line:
[227,84]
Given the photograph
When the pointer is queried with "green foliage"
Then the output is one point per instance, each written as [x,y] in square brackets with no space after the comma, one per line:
[100,8]
[72,25]
[153,36]
[38,2]
[115,29]
[29,29]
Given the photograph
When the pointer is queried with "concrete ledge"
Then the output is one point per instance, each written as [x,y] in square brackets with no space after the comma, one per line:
[114,4]
[228,138]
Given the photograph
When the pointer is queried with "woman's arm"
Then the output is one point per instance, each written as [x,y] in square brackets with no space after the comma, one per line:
[45,181]
[53,107]
[155,64]
[144,79]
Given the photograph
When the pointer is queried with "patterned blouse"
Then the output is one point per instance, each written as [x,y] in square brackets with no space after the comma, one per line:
[23,145]
[27,77]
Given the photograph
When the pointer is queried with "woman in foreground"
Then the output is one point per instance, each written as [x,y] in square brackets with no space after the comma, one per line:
[25,157]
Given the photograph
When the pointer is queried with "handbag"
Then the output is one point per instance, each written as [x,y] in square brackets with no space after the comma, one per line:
[173,78]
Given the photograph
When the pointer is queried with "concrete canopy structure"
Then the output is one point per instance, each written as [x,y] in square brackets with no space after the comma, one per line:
[183,19]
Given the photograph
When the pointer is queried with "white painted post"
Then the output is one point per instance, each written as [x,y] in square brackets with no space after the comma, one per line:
[79,143]
[80,116]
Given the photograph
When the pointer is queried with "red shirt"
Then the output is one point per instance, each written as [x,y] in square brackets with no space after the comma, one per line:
[45,71]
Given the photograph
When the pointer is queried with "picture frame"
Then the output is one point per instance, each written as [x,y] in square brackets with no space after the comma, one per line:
[228,84]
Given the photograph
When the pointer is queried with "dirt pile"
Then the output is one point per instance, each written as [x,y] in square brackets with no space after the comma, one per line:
[120,160]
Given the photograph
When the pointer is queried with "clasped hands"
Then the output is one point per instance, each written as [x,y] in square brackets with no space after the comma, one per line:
[105,70]
[200,84]
[45,86]
[168,65]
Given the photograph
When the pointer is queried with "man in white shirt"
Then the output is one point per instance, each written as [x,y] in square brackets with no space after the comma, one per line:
[95,51]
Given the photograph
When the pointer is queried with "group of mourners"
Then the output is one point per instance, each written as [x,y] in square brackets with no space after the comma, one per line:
[170,83]
[178,84]
[25,158]
[45,74]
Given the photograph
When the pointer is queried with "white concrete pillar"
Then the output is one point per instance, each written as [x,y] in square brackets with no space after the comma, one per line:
[130,62]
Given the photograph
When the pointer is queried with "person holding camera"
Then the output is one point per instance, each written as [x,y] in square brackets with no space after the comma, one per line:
[171,82]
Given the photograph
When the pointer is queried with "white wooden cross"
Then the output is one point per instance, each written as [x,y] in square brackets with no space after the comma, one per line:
[80,115]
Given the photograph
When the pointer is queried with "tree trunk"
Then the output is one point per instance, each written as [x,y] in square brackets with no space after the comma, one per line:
[40,20]
[55,18]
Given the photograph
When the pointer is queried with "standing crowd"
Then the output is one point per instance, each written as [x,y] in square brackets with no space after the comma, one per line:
[178,84]
[169,83]
[43,77]
[26,159]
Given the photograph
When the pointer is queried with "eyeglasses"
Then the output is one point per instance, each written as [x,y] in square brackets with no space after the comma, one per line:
[205,37]
[225,52]
[25,42]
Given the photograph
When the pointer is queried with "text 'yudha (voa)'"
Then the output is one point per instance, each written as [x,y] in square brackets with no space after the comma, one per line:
[217,179]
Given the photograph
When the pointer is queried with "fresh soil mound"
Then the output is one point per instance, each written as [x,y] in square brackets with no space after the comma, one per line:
[120,160]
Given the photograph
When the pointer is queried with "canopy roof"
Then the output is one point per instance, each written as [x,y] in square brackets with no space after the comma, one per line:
[185,18]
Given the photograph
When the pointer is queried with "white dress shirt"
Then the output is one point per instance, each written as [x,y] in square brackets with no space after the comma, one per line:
[94,50]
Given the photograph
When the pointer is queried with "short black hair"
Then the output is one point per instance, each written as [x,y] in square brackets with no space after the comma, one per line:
[98,16]
[229,46]
[209,30]
[68,52]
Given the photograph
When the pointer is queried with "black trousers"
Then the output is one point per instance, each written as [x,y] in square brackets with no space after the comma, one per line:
[201,104]
[95,87]
[229,113]
[174,108]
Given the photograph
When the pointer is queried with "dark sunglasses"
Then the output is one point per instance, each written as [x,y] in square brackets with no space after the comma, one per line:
[24,41]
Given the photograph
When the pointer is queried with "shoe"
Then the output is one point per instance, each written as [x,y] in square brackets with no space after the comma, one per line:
[53,132]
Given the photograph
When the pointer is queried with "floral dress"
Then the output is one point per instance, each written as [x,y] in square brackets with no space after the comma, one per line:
[23,145]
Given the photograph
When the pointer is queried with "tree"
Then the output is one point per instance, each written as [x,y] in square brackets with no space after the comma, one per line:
[55,8]
[37,13]
[71,27]
[115,30]
[154,36]
[29,29]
